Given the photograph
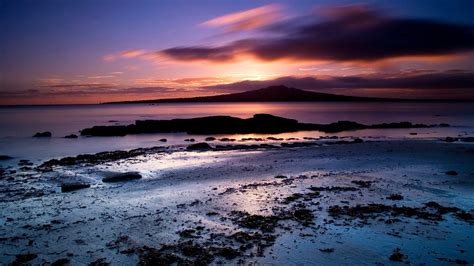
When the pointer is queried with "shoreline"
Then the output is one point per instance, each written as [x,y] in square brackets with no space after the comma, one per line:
[129,222]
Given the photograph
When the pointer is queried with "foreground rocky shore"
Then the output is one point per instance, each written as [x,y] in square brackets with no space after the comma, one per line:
[337,201]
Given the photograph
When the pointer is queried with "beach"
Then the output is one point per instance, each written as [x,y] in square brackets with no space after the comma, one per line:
[377,201]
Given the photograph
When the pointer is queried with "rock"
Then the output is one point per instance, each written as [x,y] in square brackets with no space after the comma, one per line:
[68,187]
[281,176]
[190,140]
[210,139]
[45,134]
[5,157]
[101,157]
[72,136]
[163,140]
[121,177]
[397,255]
[451,173]
[61,262]
[395,197]
[21,259]
[327,250]
[450,139]
[259,123]
[199,147]
[100,262]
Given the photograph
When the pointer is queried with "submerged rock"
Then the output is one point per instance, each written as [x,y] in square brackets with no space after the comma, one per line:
[199,147]
[397,255]
[210,139]
[45,134]
[68,187]
[395,197]
[451,173]
[72,136]
[163,140]
[121,177]
[5,157]
[21,259]
[61,262]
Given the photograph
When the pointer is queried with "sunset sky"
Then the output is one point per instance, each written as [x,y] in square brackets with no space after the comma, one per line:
[54,52]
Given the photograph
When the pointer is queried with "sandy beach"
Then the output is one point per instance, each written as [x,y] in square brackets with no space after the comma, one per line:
[376,202]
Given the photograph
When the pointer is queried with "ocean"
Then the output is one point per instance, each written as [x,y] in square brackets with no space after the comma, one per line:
[19,123]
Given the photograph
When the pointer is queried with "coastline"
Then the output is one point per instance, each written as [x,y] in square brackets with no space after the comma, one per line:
[180,189]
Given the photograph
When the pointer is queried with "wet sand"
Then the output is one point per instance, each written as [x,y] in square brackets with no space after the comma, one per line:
[280,206]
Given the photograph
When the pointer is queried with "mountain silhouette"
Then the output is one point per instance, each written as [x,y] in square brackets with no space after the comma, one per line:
[279,93]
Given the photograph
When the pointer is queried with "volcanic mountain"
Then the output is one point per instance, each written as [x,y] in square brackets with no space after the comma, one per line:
[270,94]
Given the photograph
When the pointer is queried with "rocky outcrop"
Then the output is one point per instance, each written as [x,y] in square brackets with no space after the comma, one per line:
[202,146]
[122,177]
[45,134]
[259,123]
[68,187]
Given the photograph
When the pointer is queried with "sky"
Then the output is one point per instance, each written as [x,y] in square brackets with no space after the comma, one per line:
[76,52]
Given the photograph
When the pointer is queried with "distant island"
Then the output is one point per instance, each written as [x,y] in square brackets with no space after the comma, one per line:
[279,93]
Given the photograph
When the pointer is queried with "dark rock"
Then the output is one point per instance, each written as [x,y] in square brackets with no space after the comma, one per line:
[303,215]
[450,139]
[226,139]
[5,157]
[67,187]
[101,157]
[363,184]
[451,173]
[190,140]
[163,140]
[199,147]
[45,134]
[334,189]
[397,255]
[23,258]
[259,123]
[61,262]
[281,177]
[100,262]
[327,250]
[122,177]
[395,197]
[72,136]
[275,139]
[263,223]
[210,139]
[227,252]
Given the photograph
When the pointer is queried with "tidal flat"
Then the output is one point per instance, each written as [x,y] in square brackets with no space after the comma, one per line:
[381,202]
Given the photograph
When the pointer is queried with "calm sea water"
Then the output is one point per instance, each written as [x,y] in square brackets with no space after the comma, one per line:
[18,124]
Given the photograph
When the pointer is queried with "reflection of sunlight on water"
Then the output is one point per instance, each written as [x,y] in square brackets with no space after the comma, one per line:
[153,166]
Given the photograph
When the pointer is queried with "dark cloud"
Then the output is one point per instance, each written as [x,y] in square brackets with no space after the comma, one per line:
[346,34]
[452,79]
[88,91]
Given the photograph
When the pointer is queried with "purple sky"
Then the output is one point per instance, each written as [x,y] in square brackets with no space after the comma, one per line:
[96,51]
